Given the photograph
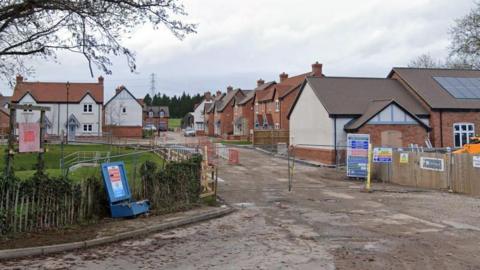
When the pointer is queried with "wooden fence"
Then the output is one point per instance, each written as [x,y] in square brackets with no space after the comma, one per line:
[34,205]
[270,137]
[458,173]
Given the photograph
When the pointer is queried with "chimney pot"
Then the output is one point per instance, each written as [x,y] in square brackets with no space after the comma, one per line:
[119,88]
[260,82]
[207,95]
[283,77]
[229,89]
[219,93]
[100,80]
[317,69]
[19,78]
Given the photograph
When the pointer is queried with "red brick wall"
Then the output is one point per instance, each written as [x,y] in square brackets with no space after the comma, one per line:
[155,120]
[324,156]
[285,105]
[4,123]
[211,121]
[226,118]
[445,138]
[415,134]
[124,131]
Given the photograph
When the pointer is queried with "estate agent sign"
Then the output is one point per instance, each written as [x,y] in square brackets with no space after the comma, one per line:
[432,164]
[382,155]
[29,137]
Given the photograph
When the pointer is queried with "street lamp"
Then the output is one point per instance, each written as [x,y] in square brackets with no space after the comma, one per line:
[68,127]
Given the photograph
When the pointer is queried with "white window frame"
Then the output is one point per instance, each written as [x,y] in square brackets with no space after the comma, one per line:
[161,114]
[277,105]
[150,114]
[87,108]
[468,132]
[87,128]
[277,125]
[256,107]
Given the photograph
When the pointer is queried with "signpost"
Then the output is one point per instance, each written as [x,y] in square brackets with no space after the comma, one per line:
[357,155]
[382,155]
[118,191]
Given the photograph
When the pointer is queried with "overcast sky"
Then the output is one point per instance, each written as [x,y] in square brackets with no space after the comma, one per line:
[239,42]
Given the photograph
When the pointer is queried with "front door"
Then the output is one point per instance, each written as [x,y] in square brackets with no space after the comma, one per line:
[71,132]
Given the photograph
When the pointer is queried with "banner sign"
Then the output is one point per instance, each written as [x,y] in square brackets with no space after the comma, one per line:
[432,164]
[476,161]
[357,155]
[115,180]
[29,137]
[382,155]
[404,158]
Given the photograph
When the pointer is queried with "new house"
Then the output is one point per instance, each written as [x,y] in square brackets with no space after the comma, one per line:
[223,111]
[209,115]
[452,99]
[244,112]
[156,116]
[199,114]
[327,108]
[76,109]
[273,103]
[123,114]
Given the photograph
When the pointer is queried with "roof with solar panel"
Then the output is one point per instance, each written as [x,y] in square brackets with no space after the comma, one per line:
[442,88]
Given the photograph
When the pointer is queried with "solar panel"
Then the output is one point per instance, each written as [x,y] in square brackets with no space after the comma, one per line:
[464,88]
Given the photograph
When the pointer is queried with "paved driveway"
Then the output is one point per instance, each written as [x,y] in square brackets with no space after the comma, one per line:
[325,222]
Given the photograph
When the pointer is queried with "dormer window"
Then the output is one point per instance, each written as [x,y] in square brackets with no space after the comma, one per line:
[150,114]
[162,114]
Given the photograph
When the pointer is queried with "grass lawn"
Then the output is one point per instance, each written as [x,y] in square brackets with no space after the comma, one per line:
[237,142]
[174,122]
[24,163]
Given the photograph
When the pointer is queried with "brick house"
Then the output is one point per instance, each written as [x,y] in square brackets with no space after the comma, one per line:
[209,114]
[4,114]
[156,116]
[452,99]
[273,103]
[223,111]
[327,108]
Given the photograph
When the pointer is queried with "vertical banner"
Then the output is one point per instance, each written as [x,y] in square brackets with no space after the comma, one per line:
[357,155]
[29,137]
[116,181]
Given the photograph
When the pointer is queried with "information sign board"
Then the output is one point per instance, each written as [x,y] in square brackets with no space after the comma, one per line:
[382,155]
[357,155]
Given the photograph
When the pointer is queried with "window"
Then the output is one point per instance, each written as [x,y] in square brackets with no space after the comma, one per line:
[256,107]
[27,110]
[277,126]
[87,108]
[162,114]
[277,105]
[87,127]
[150,114]
[124,110]
[462,132]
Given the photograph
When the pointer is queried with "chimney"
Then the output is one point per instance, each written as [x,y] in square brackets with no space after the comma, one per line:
[283,77]
[19,78]
[317,69]
[229,89]
[100,80]
[207,95]
[260,82]
[219,93]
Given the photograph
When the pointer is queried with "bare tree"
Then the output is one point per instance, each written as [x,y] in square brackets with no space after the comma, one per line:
[465,39]
[92,28]
[425,61]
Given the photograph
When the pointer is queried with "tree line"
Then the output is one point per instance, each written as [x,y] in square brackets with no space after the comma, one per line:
[178,106]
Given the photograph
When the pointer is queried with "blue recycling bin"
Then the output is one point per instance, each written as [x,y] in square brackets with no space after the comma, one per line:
[118,191]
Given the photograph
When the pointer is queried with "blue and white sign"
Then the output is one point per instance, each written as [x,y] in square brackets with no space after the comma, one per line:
[382,155]
[115,180]
[357,155]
